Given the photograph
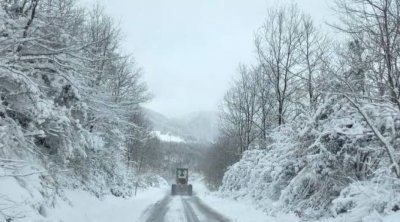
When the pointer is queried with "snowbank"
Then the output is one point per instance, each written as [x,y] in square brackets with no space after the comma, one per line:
[26,202]
[242,210]
[83,207]
[20,201]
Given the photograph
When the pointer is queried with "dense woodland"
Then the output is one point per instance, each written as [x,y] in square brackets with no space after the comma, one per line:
[315,121]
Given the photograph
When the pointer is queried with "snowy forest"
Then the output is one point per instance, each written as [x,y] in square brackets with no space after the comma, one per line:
[308,132]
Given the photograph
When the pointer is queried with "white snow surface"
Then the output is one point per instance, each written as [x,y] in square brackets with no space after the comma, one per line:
[19,200]
[243,210]
[87,208]
[81,206]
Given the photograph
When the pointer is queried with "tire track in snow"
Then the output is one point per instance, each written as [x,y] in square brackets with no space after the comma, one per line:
[181,208]
[210,214]
[156,212]
[189,212]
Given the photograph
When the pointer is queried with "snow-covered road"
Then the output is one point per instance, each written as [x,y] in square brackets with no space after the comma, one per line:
[157,205]
[205,206]
[181,208]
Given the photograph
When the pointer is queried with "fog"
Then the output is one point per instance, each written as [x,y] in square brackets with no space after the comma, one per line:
[190,50]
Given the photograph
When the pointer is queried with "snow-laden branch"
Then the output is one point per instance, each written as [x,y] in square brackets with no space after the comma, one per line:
[389,148]
[22,174]
[30,173]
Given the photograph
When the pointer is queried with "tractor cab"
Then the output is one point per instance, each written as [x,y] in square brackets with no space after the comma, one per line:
[182,187]
[182,176]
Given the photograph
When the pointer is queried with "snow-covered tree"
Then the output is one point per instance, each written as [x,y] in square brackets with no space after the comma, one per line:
[67,95]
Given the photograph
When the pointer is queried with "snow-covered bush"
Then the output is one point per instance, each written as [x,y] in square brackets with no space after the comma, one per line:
[362,198]
[310,162]
[262,174]
[340,102]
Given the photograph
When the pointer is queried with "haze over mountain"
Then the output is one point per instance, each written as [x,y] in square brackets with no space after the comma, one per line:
[199,126]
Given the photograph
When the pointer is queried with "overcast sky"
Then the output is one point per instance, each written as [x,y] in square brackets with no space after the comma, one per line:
[190,49]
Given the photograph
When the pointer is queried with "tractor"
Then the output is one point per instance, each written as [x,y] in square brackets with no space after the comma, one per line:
[182,187]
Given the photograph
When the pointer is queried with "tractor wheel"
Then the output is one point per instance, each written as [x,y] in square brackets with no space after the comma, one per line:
[190,189]
[173,189]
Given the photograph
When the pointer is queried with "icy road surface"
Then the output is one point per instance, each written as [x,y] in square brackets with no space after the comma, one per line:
[181,208]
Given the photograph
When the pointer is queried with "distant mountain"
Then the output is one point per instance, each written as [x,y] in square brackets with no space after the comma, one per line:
[202,125]
[195,127]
